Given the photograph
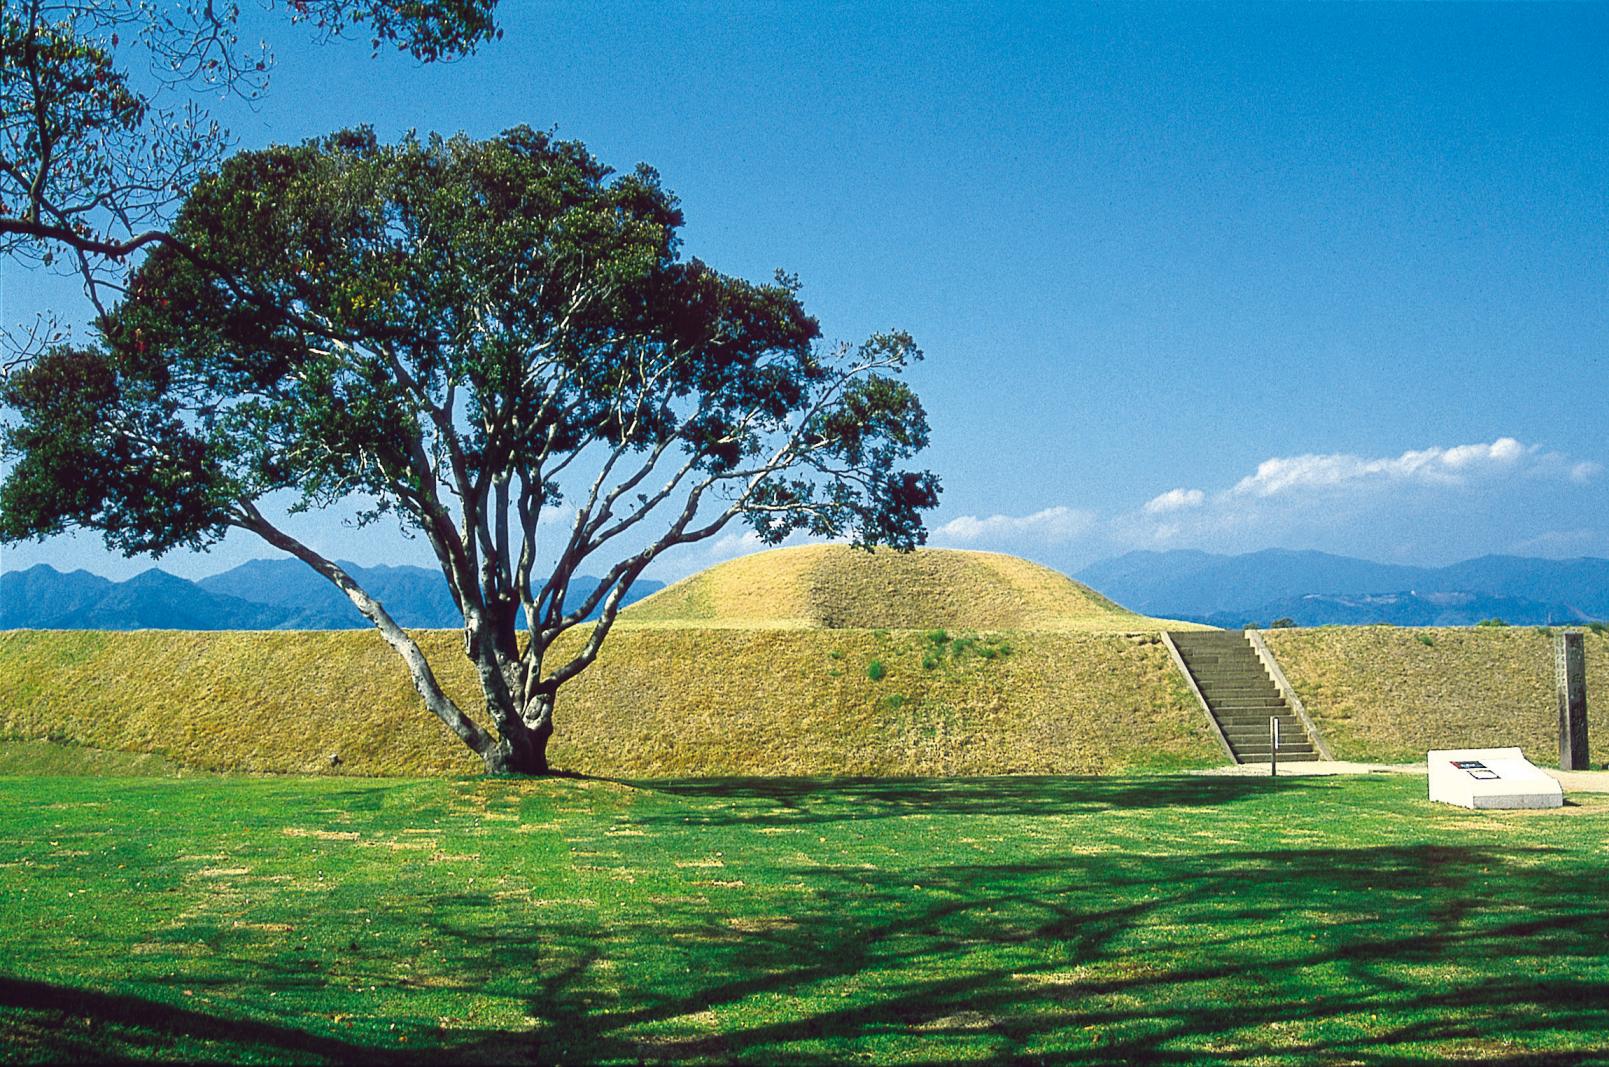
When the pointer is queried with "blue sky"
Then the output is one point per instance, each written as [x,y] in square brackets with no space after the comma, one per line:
[1302,276]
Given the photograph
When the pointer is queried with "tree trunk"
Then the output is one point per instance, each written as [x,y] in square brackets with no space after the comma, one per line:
[424,679]
[522,747]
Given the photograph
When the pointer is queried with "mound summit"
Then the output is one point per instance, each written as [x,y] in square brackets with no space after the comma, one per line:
[835,587]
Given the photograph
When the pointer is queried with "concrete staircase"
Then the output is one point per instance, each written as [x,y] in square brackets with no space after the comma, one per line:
[1241,696]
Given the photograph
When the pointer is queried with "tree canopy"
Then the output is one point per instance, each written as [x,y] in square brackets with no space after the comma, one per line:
[102,130]
[494,342]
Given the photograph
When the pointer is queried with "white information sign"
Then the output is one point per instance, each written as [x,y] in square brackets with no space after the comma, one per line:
[1491,778]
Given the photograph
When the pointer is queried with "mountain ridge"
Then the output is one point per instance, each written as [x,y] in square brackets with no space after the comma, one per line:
[1311,588]
[1275,583]
[262,594]
[1399,609]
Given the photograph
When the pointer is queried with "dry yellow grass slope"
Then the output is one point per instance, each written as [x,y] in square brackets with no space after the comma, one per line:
[1384,693]
[837,587]
[232,701]
[682,701]
[817,660]
[659,702]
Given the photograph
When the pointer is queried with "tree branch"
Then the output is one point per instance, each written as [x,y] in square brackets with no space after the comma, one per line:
[424,679]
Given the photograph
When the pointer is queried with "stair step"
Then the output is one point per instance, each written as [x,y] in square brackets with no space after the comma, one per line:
[1294,757]
[1259,738]
[1284,757]
[1242,697]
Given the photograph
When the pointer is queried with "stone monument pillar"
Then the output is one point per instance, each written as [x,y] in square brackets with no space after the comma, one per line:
[1570,676]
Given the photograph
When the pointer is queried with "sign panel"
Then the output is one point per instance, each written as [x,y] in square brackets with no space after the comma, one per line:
[1491,778]
[1476,769]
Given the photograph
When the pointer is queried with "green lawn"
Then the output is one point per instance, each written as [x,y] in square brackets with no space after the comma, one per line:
[1142,919]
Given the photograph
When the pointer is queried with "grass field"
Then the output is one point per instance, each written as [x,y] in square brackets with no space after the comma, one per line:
[1155,919]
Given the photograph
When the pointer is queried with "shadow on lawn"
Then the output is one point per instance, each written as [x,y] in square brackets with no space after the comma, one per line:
[1363,954]
[51,1023]
[1374,954]
[1359,954]
[791,801]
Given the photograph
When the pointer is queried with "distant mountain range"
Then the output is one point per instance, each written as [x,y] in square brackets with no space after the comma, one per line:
[1316,588]
[280,594]
[1309,588]
[1398,609]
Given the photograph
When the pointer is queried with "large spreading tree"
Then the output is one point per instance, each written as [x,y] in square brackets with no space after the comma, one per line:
[476,338]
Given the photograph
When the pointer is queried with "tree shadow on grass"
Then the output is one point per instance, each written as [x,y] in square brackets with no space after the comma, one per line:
[53,1023]
[793,801]
[1375,955]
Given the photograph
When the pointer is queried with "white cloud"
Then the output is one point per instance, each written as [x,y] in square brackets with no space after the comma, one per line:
[733,545]
[1336,501]
[1175,500]
[563,515]
[1344,502]
[687,559]
[1452,466]
[1561,543]
[1050,526]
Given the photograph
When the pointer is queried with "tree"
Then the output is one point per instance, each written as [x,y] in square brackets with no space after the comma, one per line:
[101,132]
[471,336]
